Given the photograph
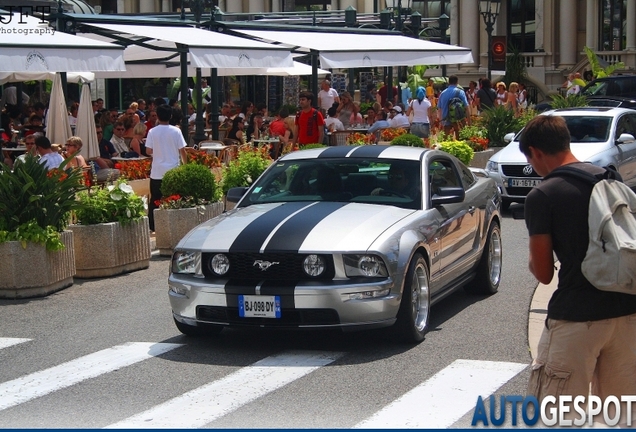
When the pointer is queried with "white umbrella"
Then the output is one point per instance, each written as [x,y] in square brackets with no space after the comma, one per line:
[85,128]
[58,129]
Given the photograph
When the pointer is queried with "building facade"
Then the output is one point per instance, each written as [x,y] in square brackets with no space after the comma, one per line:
[549,34]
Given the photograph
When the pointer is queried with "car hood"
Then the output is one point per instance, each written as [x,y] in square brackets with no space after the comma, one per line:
[295,227]
[512,155]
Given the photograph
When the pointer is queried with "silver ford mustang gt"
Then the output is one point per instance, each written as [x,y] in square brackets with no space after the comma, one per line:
[341,237]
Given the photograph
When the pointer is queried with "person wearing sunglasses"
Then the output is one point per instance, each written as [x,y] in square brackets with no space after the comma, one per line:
[118,140]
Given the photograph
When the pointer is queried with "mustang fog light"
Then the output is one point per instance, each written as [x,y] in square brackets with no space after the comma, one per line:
[184,262]
[220,264]
[364,295]
[314,265]
[364,265]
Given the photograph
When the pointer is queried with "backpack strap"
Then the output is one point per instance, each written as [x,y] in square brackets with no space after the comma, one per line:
[583,176]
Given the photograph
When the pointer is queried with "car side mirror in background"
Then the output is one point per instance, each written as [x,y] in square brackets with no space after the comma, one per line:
[235,194]
[448,195]
[509,137]
[625,138]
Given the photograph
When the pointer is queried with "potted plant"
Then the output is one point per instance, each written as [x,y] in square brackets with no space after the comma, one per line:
[35,207]
[111,231]
[242,171]
[191,196]
[460,149]
[389,134]
[408,140]
[137,174]
[476,137]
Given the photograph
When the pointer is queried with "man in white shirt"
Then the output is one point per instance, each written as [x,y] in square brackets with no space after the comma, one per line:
[327,96]
[166,145]
[398,118]
[49,158]
[117,140]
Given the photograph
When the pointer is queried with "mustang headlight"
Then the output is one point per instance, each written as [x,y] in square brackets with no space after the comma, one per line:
[314,265]
[492,166]
[220,264]
[364,265]
[185,262]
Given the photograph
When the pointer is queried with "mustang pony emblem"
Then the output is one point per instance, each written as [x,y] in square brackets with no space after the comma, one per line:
[264,265]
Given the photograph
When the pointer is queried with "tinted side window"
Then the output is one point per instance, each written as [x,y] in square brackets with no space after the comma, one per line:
[442,173]
[468,178]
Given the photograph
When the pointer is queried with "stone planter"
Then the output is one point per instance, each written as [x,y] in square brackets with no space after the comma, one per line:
[171,225]
[110,249]
[385,143]
[480,159]
[33,271]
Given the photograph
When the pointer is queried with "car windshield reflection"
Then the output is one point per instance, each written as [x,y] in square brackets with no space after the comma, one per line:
[388,182]
[588,128]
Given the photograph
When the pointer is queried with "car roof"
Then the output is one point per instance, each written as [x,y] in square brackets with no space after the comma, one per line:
[364,151]
[595,110]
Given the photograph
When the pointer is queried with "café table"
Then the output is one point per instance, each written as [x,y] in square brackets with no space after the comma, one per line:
[275,144]
[119,158]
[213,147]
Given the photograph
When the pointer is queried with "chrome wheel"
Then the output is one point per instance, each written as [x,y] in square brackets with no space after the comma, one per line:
[495,256]
[488,272]
[420,299]
[412,318]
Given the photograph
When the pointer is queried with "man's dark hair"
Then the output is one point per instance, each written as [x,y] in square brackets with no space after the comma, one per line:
[159,101]
[381,115]
[284,112]
[38,106]
[486,84]
[307,95]
[331,112]
[453,79]
[164,112]
[43,142]
[549,134]
[177,116]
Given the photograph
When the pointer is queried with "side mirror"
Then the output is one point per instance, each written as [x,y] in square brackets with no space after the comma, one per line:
[625,138]
[235,194]
[448,195]
[509,137]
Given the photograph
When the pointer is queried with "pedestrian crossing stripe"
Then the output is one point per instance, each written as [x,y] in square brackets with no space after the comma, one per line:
[40,383]
[205,404]
[446,397]
[7,342]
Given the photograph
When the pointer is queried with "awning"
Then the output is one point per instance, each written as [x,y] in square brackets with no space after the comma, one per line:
[72,77]
[26,44]
[206,49]
[345,50]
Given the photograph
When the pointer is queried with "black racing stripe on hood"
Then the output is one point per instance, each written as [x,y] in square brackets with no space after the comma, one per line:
[253,235]
[368,151]
[292,234]
[335,152]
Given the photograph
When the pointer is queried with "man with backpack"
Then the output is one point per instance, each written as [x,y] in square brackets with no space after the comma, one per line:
[590,334]
[309,127]
[454,107]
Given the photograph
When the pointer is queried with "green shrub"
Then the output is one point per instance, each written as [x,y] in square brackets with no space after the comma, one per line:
[244,170]
[311,146]
[500,121]
[36,204]
[571,101]
[191,180]
[115,203]
[408,140]
[460,149]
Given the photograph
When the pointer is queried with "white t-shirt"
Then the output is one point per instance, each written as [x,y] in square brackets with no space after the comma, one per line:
[400,120]
[327,98]
[51,160]
[420,110]
[165,142]
[335,121]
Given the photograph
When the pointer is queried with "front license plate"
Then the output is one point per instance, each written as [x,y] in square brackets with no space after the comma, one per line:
[517,182]
[252,306]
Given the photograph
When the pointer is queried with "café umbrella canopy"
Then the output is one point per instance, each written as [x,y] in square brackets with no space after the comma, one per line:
[85,128]
[58,129]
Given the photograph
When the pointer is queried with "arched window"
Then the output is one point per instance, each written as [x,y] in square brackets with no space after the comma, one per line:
[612,23]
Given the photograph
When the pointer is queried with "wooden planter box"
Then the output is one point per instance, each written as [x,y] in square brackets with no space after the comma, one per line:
[140,187]
[110,249]
[173,224]
[33,271]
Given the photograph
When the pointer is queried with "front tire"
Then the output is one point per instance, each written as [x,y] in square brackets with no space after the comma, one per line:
[489,268]
[413,315]
[200,330]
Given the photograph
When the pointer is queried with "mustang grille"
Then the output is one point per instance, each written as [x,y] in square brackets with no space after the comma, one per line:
[517,171]
[289,267]
[289,317]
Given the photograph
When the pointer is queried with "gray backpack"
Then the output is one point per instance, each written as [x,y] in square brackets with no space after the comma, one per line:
[610,261]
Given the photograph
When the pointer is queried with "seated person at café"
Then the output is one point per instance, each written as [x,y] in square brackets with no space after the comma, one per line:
[332,121]
[33,125]
[106,150]
[237,130]
[254,130]
[380,123]
[73,147]
[29,142]
[370,117]
[277,127]
[48,157]
[398,119]
[118,140]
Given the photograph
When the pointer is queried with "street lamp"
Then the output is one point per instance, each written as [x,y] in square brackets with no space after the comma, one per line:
[489,10]
[444,23]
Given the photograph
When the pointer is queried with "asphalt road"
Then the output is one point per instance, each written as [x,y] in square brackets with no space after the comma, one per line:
[106,351]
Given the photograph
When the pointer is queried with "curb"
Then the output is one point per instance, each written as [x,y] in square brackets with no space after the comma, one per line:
[539,310]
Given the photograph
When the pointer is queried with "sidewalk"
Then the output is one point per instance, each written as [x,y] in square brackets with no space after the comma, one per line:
[539,310]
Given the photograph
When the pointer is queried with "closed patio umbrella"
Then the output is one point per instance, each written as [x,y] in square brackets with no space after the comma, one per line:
[58,129]
[85,128]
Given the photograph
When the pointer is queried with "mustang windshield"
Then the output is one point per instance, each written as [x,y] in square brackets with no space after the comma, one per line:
[373,181]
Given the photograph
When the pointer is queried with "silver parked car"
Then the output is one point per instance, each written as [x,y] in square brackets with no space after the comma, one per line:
[341,237]
[600,135]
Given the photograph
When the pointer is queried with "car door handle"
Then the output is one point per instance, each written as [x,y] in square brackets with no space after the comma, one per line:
[471,209]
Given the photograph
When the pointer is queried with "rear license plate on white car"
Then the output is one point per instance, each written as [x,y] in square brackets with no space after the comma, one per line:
[257,306]
[519,182]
